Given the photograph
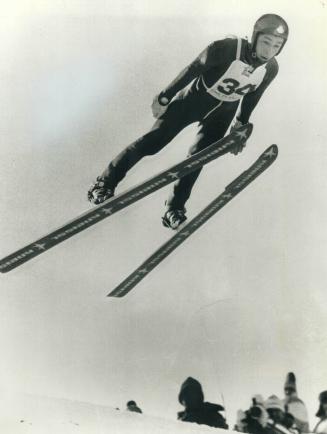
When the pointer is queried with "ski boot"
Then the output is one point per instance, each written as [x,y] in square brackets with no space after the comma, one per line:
[173,218]
[99,192]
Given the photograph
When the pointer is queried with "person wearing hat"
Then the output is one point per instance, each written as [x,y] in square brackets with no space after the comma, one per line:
[280,421]
[255,419]
[294,405]
[321,427]
[132,406]
[275,409]
[196,410]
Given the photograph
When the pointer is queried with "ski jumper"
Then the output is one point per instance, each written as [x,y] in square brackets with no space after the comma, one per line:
[222,75]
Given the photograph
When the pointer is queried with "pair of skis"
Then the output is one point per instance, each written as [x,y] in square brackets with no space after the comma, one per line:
[121,201]
[239,184]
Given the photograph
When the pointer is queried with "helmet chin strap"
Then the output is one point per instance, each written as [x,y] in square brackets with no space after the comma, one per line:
[256,58]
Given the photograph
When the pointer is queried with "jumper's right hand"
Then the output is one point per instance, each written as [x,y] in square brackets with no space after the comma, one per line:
[159,106]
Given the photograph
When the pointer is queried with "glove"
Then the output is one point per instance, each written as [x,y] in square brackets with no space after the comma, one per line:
[239,147]
[159,105]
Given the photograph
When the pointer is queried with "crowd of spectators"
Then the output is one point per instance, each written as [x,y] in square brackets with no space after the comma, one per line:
[273,415]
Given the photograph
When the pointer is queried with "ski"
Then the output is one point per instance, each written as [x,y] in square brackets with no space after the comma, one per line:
[121,201]
[240,183]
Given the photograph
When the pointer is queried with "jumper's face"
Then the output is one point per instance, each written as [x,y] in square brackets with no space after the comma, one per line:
[324,406]
[268,46]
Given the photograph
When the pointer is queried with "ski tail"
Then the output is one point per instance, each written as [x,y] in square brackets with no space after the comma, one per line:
[235,187]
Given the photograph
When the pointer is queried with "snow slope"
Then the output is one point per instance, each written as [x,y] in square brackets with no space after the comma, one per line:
[40,415]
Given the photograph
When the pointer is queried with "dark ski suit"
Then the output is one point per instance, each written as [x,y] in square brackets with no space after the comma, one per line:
[223,74]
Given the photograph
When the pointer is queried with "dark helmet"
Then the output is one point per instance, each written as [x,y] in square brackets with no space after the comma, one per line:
[191,386]
[270,24]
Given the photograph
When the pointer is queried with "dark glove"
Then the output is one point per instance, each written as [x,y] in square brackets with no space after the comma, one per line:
[240,146]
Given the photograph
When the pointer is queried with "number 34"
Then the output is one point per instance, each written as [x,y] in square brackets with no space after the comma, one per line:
[232,86]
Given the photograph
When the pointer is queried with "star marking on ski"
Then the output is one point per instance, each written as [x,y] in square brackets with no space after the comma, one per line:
[40,246]
[174,175]
[242,134]
[185,233]
[228,195]
[107,211]
[270,153]
[143,271]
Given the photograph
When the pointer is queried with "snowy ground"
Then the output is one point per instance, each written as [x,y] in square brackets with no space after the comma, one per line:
[240,303]
[39,415]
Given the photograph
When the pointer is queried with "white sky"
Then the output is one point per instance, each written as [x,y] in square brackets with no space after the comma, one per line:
[240,303]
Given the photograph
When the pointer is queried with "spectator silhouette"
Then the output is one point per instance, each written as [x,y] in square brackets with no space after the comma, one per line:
[255,419]
[196,410]
[275,409]
[294,405]
[132,406]
[321,427]
[279,420]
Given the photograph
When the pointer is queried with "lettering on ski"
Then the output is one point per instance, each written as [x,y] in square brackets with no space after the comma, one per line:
[117,203]
[235,187]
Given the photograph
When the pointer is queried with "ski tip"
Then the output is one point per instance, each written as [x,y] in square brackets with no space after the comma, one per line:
[275,147]
[271,152]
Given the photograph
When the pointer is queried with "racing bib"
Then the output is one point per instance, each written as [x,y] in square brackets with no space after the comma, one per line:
[238,80]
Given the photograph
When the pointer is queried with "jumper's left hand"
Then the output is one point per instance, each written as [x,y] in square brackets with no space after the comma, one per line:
[159,106]
[240,146]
